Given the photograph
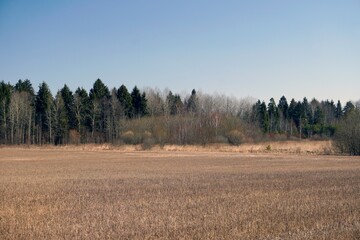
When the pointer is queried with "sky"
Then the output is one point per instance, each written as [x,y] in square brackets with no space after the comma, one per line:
[257,48]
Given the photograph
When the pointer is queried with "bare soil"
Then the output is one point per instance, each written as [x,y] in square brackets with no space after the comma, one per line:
[63,193]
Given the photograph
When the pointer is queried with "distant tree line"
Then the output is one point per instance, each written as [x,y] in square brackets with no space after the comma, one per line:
[300,118]
[151,116]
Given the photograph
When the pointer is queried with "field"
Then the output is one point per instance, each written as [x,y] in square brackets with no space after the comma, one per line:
[64,193]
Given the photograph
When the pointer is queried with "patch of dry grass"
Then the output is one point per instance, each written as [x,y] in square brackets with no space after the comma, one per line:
[60,193]
[291,147]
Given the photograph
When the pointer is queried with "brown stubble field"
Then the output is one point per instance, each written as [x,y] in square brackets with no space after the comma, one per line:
[79,194]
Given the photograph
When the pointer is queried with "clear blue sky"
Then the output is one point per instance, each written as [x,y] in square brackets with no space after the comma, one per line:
[257,48]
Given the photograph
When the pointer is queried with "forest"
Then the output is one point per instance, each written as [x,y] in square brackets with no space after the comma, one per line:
[151,116]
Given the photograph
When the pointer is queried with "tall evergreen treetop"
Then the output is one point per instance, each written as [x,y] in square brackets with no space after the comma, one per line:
[349,107]
[24,86]
[138,103]
[125,99]
[192,102]
[99,91]
[339,110]
[284,107]
[68,101]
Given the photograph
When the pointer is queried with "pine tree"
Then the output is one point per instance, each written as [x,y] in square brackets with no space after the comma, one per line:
[138,103]
[68,101]
[273,116]
[284,113]
[192,102]
[100,110]
[349,107]
[44,111]
[264,117]
[339,110]
[175,104]
[125,99]
[61,120]
[24,86]
[5,96]
[143,105]
[82,108]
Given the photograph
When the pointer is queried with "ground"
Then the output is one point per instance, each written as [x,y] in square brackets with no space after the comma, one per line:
[72,193]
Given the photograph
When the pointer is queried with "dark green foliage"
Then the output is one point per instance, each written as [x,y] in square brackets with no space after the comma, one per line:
[347,136]
[302,119]
[98,116]
[262,116]
[319,116]
[99,91]
[349,107]
[68,102]
[191,105]
[5,95]
[283,107]
[125,99]
[175,104]
[139,103]
[100,111]
[306,114]
[82,107]
[339,110]
[61,120]
[274,116]
[24,86]
[44,110]
[329,110]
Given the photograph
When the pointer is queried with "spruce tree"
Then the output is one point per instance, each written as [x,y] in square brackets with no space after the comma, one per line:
[68,101]
[139,103]
[192,102]
[44,113]
[100,110]
[125,99]
[339,110]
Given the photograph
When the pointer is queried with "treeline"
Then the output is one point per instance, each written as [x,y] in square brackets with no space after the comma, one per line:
[300,118]
[148,117]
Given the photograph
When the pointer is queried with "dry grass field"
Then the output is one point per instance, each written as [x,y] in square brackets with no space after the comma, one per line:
[63,193]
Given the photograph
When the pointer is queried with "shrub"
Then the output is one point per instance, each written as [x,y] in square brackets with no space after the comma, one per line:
[347,135]
[148,143]
[221,139]
[235,137]
[128,137]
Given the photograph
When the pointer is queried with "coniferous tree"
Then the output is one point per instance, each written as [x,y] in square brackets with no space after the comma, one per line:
[82,106]
[273,116]
[100,110]
[339,110]
[307,113]
[44,113]
[68,101]
[175,104]
[192,102]
[319,119]
[349,107]
[143,105]
[5,97]
[283,107]
[61,120]
[24,86]
[125,100]
[264,117]
[138,103]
